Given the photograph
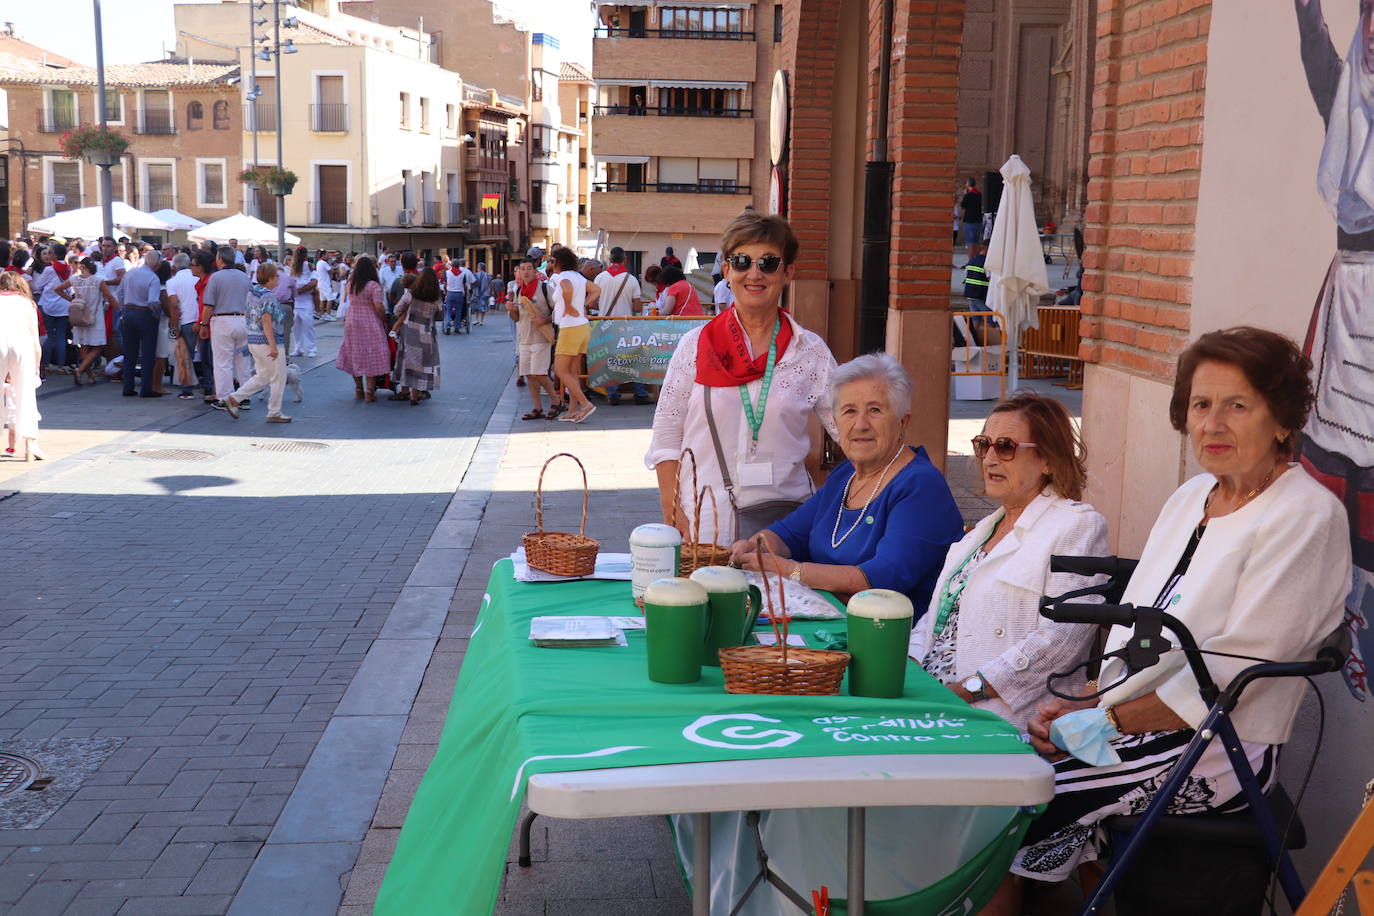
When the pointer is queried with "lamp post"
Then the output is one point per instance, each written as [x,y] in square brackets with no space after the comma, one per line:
[272,50]
[106,183]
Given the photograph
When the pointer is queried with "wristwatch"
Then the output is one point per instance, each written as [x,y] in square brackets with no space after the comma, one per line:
[975,685]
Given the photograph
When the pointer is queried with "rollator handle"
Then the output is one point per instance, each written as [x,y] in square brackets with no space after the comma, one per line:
[1073,612]
[1335,649]
[1116,567]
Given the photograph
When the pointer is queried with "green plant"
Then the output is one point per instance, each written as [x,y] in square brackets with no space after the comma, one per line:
[91,138]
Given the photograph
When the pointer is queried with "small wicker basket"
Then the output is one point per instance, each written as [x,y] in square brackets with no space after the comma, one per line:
[560,553]
[696,553]
[779,669]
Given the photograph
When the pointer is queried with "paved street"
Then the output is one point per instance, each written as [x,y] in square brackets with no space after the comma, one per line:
[188,630]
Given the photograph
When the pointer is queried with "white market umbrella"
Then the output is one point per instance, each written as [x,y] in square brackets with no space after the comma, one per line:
[89,222]
[1016,262]
[177,220]
[247,229]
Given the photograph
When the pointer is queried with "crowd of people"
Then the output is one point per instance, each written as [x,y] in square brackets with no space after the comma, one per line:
[1253,554]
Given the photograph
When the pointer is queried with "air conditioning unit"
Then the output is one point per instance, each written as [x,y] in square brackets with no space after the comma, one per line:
[406,218]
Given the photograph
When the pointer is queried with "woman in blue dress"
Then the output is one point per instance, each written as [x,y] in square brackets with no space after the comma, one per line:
[885,517]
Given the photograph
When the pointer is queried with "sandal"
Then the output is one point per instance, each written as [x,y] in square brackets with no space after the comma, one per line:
[556,409]
[398,397]
[536,414]
[358,393]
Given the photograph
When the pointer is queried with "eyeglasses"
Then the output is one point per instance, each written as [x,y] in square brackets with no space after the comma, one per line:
[1004,447]
[768,264]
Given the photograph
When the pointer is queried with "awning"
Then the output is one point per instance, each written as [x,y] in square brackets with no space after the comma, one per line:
[680,4]
[606,82]
[694,84]
[631,160]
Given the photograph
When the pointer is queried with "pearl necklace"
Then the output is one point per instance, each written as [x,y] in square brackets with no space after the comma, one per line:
[836,539]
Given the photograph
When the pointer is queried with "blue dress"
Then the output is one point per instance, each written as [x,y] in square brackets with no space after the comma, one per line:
[902,541]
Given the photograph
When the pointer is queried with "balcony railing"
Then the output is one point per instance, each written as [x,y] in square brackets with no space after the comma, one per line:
[671,111]
[55,120]
[406,217]
[703,34]
[455,214]
[155,121]
[329,118]
[429,213]
[329,212]
[267,117]
[57,203]
[704,186]
[157,200]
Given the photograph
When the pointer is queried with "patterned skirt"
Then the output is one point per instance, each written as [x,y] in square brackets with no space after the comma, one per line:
[1069,831]
[365,350]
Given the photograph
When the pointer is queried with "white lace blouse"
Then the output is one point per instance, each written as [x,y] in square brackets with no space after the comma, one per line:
[800,389]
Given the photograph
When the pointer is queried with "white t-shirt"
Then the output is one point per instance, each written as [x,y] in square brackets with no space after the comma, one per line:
[304,300]
[183,286]
[108,271]
[724,295]
[618,294]
[323,281]
[579,299]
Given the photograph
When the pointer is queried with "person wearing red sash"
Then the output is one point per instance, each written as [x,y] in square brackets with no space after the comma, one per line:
[747,393]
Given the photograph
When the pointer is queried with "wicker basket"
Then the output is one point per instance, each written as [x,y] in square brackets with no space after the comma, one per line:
[560,553]
[696,553]
[781,669]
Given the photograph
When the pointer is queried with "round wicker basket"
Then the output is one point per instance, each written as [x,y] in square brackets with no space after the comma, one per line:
[767,669]
[560,553]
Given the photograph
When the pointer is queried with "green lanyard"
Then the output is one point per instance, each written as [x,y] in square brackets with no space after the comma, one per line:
[756,419]
[947,598]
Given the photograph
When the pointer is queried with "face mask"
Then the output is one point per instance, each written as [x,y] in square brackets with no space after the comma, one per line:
[1086,734]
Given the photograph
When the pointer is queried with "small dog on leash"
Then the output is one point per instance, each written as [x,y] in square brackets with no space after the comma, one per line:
[293,381]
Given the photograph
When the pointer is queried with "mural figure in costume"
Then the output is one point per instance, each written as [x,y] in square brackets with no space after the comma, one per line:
[1338,443]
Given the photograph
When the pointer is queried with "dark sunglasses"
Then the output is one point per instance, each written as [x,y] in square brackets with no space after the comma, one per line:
[768,264]
[1004,447]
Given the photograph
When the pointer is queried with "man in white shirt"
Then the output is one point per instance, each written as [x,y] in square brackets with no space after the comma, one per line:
[620,298]
[724,295]
[238,255]
[111,268]
[183,315]
[324,282]
[388,272]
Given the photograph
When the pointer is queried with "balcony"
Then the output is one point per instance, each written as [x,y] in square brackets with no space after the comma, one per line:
[54,204]
[155,121]
[689,34]
[329,119]
[406,217]
[329,212]
[267,117]
[455,214]
[674,112]
[429,213]
[703,186]
[55,120]
[157,200]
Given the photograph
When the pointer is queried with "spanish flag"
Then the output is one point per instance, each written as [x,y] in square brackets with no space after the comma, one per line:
[491,201]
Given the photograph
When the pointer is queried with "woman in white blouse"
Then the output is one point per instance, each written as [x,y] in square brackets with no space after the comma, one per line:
[1253,556]
[764,379]
[573,296]
[983,635]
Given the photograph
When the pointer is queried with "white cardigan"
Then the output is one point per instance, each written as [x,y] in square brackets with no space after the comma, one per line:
[1000,630]
[1268,580]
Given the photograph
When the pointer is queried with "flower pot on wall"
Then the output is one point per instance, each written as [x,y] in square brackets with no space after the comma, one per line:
[101,157]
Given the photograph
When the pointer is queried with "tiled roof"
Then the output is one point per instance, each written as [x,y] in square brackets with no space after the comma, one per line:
[17,54]
[574,73]
[173,72]
[304,34]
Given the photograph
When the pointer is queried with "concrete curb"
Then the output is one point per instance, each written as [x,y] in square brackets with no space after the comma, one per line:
[317,839]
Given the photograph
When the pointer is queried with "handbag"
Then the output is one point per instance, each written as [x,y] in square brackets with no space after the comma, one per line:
[81,313]
[546,330]
[749,520]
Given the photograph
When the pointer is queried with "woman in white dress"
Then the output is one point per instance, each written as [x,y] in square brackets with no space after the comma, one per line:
[20,352]
[92,292]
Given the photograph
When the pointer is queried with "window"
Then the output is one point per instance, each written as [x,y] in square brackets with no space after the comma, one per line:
[114,107]
[159,185]
[405,110]
[777,22]
[537,196]
[64,186]
[62,111]
[451,120]
[221,110]
[701,102]
[195,116]
[424,115]
[691,21]
[156,116]
[210,183]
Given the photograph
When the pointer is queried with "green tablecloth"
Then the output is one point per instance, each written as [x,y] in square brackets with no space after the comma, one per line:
[520,710]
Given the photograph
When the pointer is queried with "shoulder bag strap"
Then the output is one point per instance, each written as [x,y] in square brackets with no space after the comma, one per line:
[720,460]
[618,293]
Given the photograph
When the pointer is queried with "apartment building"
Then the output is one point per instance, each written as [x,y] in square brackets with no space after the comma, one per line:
[681,143]
[577,98]
[182,119]
[556,142]
[371,126]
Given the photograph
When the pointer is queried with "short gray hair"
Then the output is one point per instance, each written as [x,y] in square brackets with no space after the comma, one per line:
[880,367]
[181,261]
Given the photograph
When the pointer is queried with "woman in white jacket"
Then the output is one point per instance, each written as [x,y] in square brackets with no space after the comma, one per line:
[983,635]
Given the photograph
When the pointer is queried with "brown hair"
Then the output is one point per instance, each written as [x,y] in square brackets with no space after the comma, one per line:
[751,226]
[1273,365]
[14,282]
[266,271]
[1055,438]
[426,288]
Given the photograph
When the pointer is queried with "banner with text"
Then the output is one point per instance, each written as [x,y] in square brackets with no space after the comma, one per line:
[633,349]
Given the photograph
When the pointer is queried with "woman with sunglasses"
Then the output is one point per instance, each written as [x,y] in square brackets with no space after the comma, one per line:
[747,393]
[983,635]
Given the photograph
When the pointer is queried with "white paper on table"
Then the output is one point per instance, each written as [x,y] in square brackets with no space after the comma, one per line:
[771,639]
[803,601]
[615,566]
[573,628]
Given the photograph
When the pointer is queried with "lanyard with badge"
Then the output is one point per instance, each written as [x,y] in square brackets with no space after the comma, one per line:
[759,473]
[948,598]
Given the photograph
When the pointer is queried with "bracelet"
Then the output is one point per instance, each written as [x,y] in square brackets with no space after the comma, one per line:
[796,574]
[1115,723]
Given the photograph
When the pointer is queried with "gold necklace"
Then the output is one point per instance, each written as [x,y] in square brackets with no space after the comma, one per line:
[1207,509]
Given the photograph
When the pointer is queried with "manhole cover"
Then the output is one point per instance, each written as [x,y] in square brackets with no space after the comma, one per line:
[16,773]
[171,454]
[290,445]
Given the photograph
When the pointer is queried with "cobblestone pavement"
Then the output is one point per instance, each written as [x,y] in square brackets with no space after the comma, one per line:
[200,625]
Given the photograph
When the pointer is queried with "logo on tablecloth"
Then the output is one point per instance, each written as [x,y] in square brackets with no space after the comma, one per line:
[746,737]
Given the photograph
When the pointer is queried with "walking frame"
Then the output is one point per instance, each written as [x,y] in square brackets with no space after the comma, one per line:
[1146,646]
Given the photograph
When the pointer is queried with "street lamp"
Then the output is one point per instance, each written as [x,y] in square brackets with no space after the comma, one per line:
[271,51]
[106,184]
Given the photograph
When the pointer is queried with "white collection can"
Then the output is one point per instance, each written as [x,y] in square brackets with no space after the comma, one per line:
[654,553]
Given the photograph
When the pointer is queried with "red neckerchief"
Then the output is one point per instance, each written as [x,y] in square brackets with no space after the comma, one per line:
[616,270]
[529,289]
[109,259]
[723,351]
[14,270]
[62,269]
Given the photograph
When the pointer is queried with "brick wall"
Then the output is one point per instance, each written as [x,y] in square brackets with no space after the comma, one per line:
[1145,159]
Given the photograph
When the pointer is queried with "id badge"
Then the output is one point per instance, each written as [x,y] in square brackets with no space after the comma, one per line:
[756,473]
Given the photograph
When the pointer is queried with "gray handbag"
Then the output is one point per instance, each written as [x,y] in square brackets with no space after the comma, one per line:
[749,520]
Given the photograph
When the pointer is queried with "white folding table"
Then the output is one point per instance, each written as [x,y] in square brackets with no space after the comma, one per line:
[853,782]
